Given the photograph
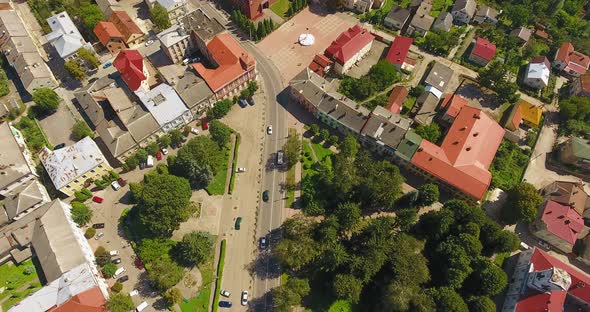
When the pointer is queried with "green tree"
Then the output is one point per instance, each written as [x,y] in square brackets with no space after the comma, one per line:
[120,302]
[324,134]
[220,109]
[429,132]
[141,155]
[90,14]
[406,218]
[252,87]
[290,294]
[81,130]
[75,70]
[446,299]
[108,270]
[198,161]
[292,149]
[518,14]
[117,287]
[163,203]
[349,215]
[131,162]
[427,194]
[176,137]
[173,296]
[81,214]
[164,141]
[89,56]
[348,287]
[102,256]
[220,133]
[333,140]
[46,101]
[481,304]
[487,278]
[151,250]
[260,31]
[315,129]
[383,74]
[522,203]
[295,253]
[195,248]
[152,148]
[90,232]
[165,273]
[380,183]
[160,17]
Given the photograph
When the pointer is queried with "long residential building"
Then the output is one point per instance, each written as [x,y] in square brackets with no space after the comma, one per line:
[22,53]
[17,167]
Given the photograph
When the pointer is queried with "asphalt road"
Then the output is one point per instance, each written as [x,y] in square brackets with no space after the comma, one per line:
[270,214]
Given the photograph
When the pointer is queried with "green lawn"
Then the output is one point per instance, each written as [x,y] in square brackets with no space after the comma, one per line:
[232,180]
[217,185]
[220,265]
[280,8]
[200,302]
[18,283]
[308,160]
[508,166]
[342,306]
[321,151]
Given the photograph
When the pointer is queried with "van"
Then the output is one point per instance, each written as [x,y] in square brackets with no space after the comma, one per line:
[280,158]
[119,271]
[150,161]
[141,306]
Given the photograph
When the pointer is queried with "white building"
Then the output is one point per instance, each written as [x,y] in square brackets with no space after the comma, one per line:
[166,106]
[64,36]
[537,73]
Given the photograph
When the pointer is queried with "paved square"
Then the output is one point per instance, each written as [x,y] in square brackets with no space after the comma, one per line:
[282,47]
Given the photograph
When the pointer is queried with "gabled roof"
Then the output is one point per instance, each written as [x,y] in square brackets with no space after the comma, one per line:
[562,221]
[24,197]
[130,64]
[484,49]
[530,113]
[398,50]
[539,68]
[169,4]
[386,127]
[396,99]
[584,82]
[568,193]
[348,44]
[469,6]
[575,60]
[444,21]
[453,104]
[319,64]
[514,122]
[64,35]
[232,59]
[465,154]
[398,14]
[422,19]
[439,76]
[125,24]
[345,111]
[105,31]
[522,33]
[580,148]
[15,160]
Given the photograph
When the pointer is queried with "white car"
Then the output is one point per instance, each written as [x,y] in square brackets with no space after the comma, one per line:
[115,185]
[194,131]
[225,293]
[164,151]
[99,235]
[269,130]
[114,252]
[134,293]
[241,169]
[244,297]
[147,43]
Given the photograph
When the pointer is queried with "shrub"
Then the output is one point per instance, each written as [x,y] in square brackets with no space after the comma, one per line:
[102,256]
[29,270]
[83,195]
[117,287]
[81,130]
[109,269]
[173,296]
[81,214]
[90,232]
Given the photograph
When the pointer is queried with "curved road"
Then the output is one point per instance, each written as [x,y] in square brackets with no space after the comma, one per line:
[270,214]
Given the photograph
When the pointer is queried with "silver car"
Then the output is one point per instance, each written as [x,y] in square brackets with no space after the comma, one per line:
[244,297]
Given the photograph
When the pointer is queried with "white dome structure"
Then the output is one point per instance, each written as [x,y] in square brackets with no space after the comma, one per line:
[306,39]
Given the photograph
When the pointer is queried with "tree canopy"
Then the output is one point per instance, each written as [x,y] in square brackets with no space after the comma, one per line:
[198,161]
[522,203]
[195,247]
[81,130]
[160,17]
[46,101]
[120,302]
[429,132]
[220,133]
[220,109]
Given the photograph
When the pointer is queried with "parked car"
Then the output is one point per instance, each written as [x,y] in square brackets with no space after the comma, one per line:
[122,182]
[141,306]
[238,223]
[263,243]
[58,146]
[107,64]
[185,61]
[123,279]
[98,225]
[225,293]
[251,101]
[142,165]
[280,161]
[265,196]
[544,244]
[149,42]
[159,155]
[119,271]
[241,169]
[98,236]
[224,304]
[134,292]
[204,124]
[244,297]
[150,161]
[164,151]
[114,252]
[242,103]
[138,264]
[194,131]
[116,261]
[269,130]
[97,199]
[115,185]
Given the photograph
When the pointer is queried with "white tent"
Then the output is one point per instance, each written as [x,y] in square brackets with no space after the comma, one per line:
[306,39]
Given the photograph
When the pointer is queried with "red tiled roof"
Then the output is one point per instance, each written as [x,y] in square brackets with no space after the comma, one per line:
[233,62]
[348,44]
[516,118]
[130,64]
[585,82]
[396,99]
[562,221]
[91,300]
[453,104]
[398,50]
[466,153]
[575,60]
[535,301]
[319,63]
[541,59]
[104,31]
[564,51]
[124,24]
[484,49]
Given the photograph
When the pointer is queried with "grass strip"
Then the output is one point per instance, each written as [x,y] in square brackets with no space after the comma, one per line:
[232,180]
[219,276]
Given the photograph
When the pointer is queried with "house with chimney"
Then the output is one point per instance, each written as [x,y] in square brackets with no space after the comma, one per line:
[110,37]
[422,20]
[463,11]
[130,65]
[384,131]
[65,37]
[175,42]
[398,53]
[397,18]
[396,99]
[571,62]
[483,52]
[581,86]
[132,34]
[350,47]
[575,152]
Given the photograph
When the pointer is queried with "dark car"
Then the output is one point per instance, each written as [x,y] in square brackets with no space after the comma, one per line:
[242,103]
[139,264]
[265,196]
[116,261]
[122,182]
[251,101]
[224,304]
[123,279]
[98,225]
[58,146]
[238,223]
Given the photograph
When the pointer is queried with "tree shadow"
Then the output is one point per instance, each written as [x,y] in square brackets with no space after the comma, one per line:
[266,265]
[262,303]
[144,287]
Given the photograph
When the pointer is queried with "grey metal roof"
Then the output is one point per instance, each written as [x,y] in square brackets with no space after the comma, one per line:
[204,26]
[386,127]
[192,89]
[422,18]
[443,22]
[439,76]
[163,103]
[26,196]
[64,35]
[427,111]
[312,86]
[398,13]
[15,162]
[348,113]
[172,36]
[468,6]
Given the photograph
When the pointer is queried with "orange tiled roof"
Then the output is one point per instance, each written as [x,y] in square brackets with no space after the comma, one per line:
[124,24]
[104,31]
[233,62]
[396,99]
[91,300]
[466,153]
[453,104]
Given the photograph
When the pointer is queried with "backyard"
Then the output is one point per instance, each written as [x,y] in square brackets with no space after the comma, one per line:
[508,166]
[20,281]
[281,7]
